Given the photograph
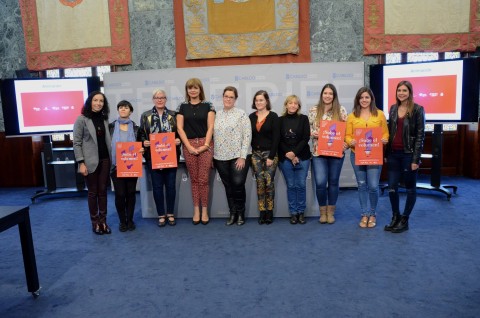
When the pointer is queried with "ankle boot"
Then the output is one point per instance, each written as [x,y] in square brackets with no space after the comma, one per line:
[232,219]
[330,214]
[401,226]
[269,217]
[261,219]
[301,218]
[323,215]
[241,218]
[393,222]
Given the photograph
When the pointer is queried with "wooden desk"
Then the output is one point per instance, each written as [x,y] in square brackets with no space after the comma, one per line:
[20,215]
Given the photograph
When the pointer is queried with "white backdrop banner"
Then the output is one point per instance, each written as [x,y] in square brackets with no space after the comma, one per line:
[279,80]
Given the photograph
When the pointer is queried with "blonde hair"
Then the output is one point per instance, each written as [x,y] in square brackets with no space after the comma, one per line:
[158,91]
[288,100]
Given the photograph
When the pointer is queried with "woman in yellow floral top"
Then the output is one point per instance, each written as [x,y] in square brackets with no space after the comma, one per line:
[326,170]
[365,115]
[233,134]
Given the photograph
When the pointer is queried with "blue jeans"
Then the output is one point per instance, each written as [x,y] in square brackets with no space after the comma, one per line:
[368,178]
[400,163]
[327,170]
[163,178]
[296,179]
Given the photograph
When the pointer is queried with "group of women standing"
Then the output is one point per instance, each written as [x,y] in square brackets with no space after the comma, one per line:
[274,141]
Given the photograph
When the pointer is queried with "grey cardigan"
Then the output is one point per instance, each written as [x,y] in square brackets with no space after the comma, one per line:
[85,142]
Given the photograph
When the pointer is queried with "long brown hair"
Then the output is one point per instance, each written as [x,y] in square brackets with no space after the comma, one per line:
[356,102]
[410,103]
[335,104]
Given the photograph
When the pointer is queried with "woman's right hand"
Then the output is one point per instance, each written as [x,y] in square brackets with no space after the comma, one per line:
[192,150]
[269,162]
[83,169]
[146,143]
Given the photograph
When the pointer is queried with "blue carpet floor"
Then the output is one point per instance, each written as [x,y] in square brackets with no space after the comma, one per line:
[280,270]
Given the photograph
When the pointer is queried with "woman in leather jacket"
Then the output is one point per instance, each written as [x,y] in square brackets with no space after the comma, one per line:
[406,127]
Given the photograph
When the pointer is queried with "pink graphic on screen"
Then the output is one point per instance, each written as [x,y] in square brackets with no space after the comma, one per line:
[51,108]
[437,94]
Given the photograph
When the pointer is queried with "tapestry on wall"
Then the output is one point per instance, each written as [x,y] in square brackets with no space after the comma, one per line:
[230,28]
[418,26]
[75,33]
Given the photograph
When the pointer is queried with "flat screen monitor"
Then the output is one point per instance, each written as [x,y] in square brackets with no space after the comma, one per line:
[44,106]
[448,90]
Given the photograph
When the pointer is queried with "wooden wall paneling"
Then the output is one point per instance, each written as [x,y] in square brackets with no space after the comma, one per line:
[20,158]
[471,152]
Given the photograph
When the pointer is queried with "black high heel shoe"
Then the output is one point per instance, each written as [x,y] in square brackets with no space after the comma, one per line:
[204,222]
[196,222]
[105,228]
[97,229]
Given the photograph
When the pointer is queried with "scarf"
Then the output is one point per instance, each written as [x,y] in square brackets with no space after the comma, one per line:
[159,124]
[116,136]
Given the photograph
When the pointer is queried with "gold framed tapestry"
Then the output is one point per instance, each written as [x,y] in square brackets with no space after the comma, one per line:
[303,56]
[402,26]
[231,28]
[75,33]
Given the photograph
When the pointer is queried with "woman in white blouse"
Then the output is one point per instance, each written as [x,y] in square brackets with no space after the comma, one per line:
[232,134]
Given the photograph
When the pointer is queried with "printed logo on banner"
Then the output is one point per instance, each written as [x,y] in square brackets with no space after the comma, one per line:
[249,78]
[154,82]
[343,75]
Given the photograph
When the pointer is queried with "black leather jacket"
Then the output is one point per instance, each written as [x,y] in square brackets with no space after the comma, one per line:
[413,131]
[144,131]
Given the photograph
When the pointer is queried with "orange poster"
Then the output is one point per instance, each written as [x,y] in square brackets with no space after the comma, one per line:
[368,146]
[331,136]
[163,150]
[129,160]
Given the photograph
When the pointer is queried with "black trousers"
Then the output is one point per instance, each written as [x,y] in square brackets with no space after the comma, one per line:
[234,182]
[125,197]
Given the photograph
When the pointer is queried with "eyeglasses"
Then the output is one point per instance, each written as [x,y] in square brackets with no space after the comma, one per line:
[229,97]
[161,98]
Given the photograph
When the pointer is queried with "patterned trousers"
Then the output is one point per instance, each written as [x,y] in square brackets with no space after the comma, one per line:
[265,179]
[198,167]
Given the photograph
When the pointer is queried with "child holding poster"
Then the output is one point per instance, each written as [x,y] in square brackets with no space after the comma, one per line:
[124,130]
[360,122]
[326,169]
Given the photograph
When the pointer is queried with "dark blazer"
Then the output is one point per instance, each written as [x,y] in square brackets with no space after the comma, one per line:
[269,135]
[413,134]
[85,142]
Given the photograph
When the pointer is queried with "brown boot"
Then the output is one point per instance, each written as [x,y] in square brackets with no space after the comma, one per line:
[330,213]
[323,214]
